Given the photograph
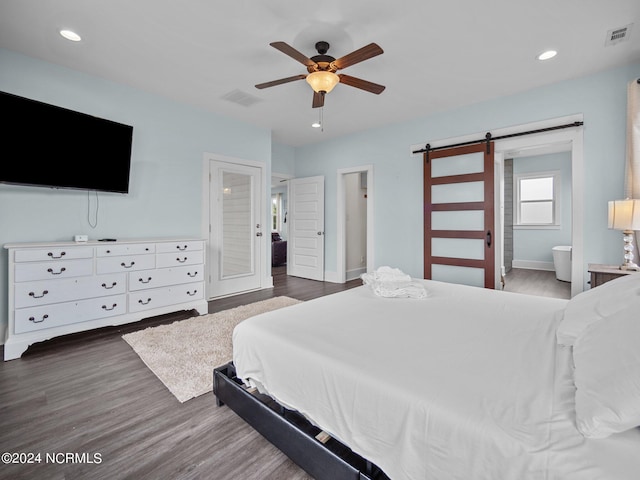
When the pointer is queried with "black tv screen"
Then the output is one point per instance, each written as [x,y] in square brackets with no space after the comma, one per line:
[51,146]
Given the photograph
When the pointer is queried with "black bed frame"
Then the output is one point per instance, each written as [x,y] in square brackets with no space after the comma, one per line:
[291,432]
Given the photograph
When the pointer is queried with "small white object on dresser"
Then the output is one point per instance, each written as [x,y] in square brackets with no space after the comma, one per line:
[65,287]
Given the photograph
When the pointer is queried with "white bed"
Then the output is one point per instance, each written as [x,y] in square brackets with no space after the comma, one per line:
[467,383]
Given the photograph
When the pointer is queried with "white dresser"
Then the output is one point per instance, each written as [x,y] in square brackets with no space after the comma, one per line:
[67,287]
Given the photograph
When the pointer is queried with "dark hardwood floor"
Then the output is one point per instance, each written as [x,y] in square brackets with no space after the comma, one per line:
[90,408]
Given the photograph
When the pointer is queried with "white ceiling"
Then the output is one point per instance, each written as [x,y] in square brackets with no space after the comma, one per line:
[437,55]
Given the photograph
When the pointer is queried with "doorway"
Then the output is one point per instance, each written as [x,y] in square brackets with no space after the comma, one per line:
[355,252]
[573,138]
[537,221]
[569,140]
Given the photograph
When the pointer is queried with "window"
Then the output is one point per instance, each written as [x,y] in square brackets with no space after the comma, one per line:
[276,209]
[536,199]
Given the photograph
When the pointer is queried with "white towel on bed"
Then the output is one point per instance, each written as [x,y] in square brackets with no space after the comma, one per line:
[393,282]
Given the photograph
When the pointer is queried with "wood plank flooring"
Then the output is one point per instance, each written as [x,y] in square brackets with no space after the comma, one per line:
[89,393]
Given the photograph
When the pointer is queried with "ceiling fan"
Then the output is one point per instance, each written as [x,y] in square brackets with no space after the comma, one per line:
[322,70]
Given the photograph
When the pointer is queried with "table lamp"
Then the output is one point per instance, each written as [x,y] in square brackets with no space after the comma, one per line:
[625,215]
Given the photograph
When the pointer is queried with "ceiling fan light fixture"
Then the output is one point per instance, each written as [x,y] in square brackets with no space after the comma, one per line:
[322,81]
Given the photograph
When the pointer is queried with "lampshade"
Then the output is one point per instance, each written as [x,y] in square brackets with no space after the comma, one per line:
[624,214]
[322,81]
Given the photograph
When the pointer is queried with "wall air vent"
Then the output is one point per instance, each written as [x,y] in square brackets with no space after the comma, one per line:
[618,35]
[241,98]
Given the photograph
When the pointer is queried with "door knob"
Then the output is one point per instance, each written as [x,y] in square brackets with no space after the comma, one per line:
[259,234]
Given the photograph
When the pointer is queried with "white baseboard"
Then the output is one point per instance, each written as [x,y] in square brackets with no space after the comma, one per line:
[355,273]
[533,265]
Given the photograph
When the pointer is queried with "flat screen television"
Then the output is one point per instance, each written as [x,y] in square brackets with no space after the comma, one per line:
[50,146]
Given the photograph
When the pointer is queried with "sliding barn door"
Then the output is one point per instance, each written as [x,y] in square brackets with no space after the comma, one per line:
[459,233]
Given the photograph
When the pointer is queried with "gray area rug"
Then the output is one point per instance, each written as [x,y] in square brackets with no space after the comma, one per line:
[183,354]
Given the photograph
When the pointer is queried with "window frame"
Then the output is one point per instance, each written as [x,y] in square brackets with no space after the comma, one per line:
[556,210]
[276,200]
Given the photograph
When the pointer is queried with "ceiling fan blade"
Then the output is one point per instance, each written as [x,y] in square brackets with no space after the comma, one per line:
[281,81]
[361,84]
[318,100]
[293,53]
[358,56]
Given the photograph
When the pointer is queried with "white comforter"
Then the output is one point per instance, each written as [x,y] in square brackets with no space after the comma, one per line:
[459,385]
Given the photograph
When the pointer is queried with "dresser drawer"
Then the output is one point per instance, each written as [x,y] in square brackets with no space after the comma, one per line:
[29,271]
[165,276]
[54,253]
[114,250]
[180,258]
[125,264]
[44,292]
[57,314]
[160,297]
[187,246]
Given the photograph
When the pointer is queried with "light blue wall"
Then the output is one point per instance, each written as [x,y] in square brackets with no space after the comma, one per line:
[601,98]
[283,159]
[535,244]
[165,189]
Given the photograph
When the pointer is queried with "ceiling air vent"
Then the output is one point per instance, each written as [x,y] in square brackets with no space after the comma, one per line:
[618,35]
[241,98]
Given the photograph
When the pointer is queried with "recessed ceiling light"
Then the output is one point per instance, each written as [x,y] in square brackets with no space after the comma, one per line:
[316,125]
[70,35]
[547,55]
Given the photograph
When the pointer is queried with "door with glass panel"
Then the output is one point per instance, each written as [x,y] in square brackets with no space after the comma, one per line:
[236,231]
[459,232]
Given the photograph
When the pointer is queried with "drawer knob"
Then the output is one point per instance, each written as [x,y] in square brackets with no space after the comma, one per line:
[181,248]
[194,274]
[192,294]
[104,307]
[142,280]
[33,294]
[142,302]
[44,317]
[184,259]
[50,270]
[52,255]
[104,285]
[127,266]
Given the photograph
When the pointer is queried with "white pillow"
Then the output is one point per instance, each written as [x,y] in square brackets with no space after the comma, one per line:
[595,304]
[607,374]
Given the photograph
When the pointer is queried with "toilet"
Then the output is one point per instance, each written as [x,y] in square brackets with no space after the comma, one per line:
[562,262]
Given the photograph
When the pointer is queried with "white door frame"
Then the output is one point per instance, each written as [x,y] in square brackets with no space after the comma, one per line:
[572,136]
[205,226]
[341,266]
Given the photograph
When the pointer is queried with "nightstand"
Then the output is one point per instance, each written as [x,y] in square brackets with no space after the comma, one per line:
[604,273]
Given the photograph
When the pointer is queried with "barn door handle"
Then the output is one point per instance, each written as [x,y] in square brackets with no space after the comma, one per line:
[488,238]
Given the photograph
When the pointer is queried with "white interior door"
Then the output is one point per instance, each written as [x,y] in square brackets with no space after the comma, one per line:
[305,257]
[236,234]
